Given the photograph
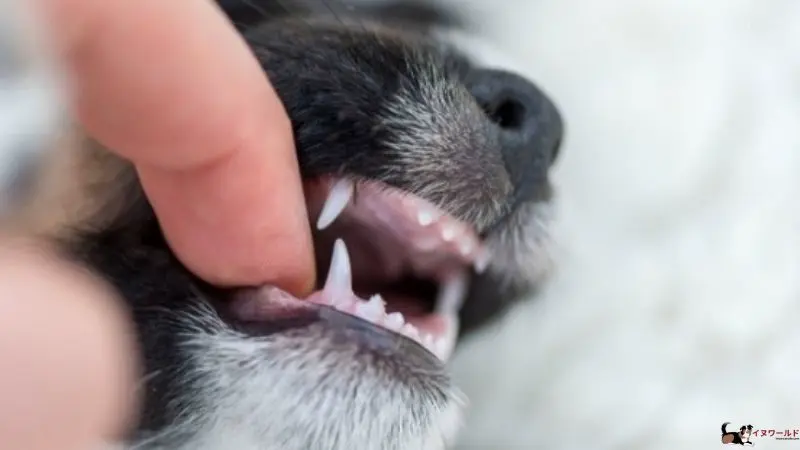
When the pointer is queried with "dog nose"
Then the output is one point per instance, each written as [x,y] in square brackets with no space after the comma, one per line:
[529,123]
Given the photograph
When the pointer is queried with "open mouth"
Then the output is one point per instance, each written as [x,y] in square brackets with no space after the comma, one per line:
[394,260]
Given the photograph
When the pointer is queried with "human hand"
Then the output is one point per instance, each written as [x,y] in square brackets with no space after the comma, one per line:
[170,86]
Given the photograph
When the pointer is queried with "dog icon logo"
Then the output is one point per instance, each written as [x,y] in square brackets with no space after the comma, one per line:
[740,437]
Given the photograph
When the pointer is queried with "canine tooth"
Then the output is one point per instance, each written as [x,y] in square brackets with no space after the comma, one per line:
[448,341]
[337,201]
[451,293]
[339,281]
[395,321]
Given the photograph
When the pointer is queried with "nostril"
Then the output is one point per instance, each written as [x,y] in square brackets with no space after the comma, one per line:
[508,113]
[530,124]
[510,101]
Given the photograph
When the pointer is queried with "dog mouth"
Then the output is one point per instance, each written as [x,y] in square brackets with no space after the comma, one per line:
[393,260]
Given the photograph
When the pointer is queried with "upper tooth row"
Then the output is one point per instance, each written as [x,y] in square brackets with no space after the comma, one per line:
[450,232]
[342,192]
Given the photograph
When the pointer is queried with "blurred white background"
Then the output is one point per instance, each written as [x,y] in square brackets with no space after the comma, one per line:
[677,303]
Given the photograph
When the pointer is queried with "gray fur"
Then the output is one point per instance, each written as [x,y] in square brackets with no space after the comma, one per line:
[429,139]
[327,388]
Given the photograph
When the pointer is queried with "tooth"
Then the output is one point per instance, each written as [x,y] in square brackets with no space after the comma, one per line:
[410,331]
[482,261]
[337,201]
[427,341]
[425,217]
[339,281]
[465,247]
[451,293]
[378,300]
[440,348]
[368,311]
[395,321]
[448,233]
[372,309]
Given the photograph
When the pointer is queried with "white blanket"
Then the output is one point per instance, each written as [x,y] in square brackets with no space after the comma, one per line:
[677,304]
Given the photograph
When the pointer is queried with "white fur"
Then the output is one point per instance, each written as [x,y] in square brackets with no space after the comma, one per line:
[675,307]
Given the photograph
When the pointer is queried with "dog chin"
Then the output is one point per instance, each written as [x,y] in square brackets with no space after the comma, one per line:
[327,379]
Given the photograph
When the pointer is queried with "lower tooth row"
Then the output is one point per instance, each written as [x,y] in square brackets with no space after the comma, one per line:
[339,285]
[372,309]
[396,322]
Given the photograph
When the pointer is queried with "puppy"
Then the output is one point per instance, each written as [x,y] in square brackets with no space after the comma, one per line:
[740,437]
[426,177]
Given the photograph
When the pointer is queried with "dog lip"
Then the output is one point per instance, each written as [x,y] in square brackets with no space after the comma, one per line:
[262,312]
[269,304]
[268,310]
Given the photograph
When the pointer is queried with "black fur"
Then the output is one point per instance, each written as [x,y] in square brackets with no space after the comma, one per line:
[337,82]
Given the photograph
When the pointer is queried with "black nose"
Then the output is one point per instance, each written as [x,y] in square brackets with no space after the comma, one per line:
[529,124]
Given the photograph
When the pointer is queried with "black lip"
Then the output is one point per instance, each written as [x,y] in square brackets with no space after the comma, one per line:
[345,327]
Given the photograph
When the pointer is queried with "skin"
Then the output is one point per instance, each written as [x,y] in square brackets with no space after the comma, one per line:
[170,86]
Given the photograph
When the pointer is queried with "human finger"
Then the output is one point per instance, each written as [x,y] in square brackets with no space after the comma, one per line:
[171,86]
[66,355]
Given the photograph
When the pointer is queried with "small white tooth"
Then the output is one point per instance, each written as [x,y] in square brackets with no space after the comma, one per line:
[368,311]
[337,201]
[427,341]
[440,349]
[465,246]
[339,281]
[395,321]
[378,300]
[425,217]
[451,293]
[410,331]
[448,233]
[482,262]
[374,307]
